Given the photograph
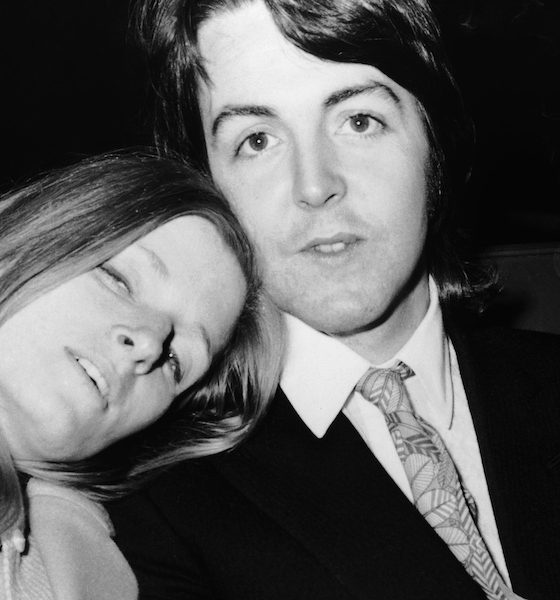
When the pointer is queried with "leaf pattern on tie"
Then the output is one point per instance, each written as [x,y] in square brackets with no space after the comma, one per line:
[436,487]
[437,506]
[420,471]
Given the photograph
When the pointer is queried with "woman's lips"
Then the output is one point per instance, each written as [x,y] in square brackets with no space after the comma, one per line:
[93,373]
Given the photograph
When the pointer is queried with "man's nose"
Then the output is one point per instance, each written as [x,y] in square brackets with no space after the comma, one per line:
[138,348]
[318,177]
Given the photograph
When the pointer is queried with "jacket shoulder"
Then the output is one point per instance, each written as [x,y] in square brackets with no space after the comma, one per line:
[534,349]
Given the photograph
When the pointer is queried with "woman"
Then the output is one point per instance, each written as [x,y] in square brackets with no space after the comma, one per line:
[127,290]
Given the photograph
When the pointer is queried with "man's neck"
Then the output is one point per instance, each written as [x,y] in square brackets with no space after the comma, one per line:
[383,340]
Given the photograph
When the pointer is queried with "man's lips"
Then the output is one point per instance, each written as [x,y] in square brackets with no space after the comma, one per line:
[334,244]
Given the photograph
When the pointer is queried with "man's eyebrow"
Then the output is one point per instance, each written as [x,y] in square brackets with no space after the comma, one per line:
[256,110]
[249,110]
[356,90]
[155,261]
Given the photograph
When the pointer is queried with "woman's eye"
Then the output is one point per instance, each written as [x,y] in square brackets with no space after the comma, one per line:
[175,365]
[257,143]
[114,279]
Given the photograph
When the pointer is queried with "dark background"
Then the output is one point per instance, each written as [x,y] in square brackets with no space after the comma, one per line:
[73,85]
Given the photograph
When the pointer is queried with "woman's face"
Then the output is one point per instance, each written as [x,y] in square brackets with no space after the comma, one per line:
[104,354]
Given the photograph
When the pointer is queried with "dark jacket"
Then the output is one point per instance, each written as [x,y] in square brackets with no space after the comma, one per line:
[289,516]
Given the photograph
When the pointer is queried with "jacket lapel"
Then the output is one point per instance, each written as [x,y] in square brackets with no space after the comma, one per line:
[517,420]
[335,498]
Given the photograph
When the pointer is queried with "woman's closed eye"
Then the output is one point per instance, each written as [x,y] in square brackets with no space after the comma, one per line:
[114,279]
[174,364]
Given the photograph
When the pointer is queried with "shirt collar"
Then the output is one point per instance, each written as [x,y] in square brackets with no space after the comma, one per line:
[320,372]
[427,353]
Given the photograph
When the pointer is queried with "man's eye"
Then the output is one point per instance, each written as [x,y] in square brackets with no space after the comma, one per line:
[256,143]
[175,365]
[114,279]
[361,123]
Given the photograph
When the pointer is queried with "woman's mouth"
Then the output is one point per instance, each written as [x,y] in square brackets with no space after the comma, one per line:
[94,374]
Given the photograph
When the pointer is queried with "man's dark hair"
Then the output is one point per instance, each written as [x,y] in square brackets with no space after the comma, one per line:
[399,37]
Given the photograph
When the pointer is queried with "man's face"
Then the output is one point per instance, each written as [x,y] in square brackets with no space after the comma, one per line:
[325,165]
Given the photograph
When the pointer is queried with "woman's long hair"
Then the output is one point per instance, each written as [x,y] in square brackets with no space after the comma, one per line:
[72,220]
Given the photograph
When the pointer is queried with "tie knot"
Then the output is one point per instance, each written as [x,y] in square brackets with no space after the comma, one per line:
[384,387]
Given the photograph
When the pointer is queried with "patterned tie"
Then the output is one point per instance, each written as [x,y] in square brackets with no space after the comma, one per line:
[436,488]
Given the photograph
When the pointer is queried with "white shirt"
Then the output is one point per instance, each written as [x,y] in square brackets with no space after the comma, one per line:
[319,377]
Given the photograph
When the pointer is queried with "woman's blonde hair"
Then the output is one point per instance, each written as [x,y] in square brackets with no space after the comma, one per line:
[72,220]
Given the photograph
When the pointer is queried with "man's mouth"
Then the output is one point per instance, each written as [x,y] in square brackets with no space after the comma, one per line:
[94,374]
[332,245]
[330,248]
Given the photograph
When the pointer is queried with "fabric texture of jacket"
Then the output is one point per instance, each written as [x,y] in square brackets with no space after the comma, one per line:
[289,516]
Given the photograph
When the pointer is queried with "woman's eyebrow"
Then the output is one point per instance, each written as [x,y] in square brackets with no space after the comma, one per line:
[207,341]
[155,262]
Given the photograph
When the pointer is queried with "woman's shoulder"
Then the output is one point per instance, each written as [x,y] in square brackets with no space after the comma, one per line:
[73,534]
[49,498]
[23,575]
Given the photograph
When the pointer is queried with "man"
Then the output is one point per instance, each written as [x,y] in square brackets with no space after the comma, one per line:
[336,132]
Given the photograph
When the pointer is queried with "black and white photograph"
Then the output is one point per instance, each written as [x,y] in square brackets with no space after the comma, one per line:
[280,300]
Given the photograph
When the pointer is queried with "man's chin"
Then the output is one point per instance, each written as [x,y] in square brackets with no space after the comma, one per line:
[341,319]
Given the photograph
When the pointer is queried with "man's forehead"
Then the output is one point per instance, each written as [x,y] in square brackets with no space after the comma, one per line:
[237,45]
[233,30]
[245,56]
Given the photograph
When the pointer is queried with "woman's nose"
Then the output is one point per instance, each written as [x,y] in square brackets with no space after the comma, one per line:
[138,348]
